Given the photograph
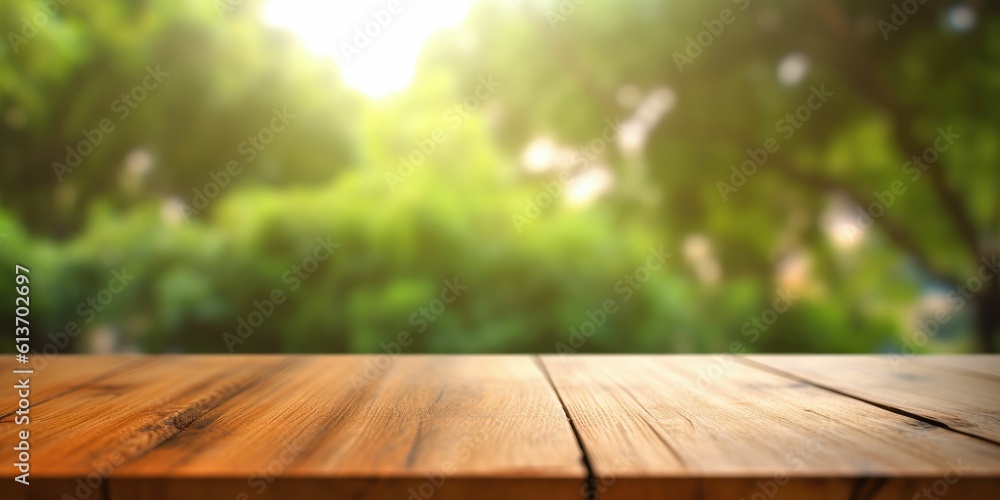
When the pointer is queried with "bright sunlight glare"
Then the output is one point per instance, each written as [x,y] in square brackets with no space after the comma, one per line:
[376,43]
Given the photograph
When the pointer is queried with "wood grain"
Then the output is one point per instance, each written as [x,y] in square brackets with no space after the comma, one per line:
[966,404]
[981,365]
[80,437]
[460,427]
[59,374]
[53,377]
[497,427]
[656,426]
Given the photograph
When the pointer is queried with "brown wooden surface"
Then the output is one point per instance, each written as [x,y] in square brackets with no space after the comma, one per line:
[976,365]
[60,375]
[413,427]
[463,420]
[957,400]
[722,418]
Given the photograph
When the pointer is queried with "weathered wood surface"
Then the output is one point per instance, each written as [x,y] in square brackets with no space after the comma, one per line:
[976,365]
[959,401]
[423,421]
[698,419]
[416,427]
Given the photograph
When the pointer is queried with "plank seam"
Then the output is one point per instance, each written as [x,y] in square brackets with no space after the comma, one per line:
[591,481]
[892,409]
[864,488]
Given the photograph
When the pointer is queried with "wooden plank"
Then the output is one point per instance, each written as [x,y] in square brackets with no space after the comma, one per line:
[976,365]
[966,404]
[801,487]
[52,378]
[48,489]
[711,427]
[339,427]
[337,487]
[489,427]
[59,375]
[79,438]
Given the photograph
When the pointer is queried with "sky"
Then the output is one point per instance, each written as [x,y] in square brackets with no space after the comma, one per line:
[376,43]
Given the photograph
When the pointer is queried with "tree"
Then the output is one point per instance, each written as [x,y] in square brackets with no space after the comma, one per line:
[900,75]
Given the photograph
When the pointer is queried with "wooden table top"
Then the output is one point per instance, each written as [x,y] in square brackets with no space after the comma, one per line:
[516,426]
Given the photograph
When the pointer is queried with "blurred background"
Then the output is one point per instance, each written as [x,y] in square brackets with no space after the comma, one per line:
[502,175]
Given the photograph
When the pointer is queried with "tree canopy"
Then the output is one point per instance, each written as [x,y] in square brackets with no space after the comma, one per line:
[602,176]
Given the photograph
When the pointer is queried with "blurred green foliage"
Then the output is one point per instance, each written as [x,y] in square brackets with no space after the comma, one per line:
[336,172]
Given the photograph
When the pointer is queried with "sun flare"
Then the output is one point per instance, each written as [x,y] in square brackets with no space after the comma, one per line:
[376,44]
